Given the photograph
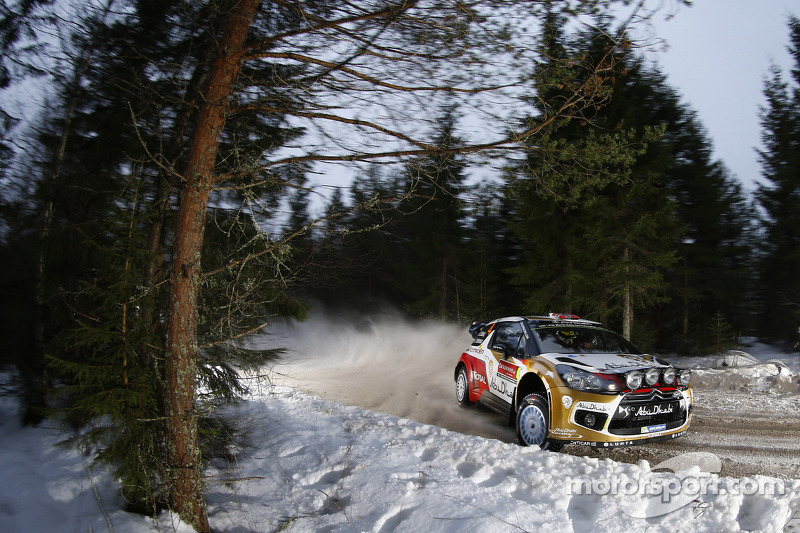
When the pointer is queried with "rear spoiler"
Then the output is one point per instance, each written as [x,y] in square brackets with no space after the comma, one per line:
[475,327]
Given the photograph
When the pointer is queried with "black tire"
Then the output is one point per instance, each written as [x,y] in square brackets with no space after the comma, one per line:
[462,388]
[533,423]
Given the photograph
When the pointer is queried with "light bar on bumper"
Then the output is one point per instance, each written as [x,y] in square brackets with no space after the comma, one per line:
[669,377]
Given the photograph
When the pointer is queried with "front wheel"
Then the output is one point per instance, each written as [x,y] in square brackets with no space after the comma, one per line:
[533,423]
[462,388]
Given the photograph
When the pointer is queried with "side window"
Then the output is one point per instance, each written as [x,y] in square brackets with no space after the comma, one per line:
[509,339]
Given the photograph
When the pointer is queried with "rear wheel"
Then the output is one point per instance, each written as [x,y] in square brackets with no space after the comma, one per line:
[462,388]
[533,423]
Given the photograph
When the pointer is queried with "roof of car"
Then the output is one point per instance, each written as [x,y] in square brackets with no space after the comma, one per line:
[562,319]
[552,318]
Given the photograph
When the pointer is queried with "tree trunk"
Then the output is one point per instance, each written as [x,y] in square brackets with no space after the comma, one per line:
[183,450]
[627,300]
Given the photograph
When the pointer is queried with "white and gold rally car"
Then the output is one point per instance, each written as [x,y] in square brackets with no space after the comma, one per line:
[563,380]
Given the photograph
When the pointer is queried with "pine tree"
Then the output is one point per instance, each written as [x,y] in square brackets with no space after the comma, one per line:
[688,215]
[600,242]
[779,197]
[104,279]
[714,270]
[26,40]
[428,238]
[492,249]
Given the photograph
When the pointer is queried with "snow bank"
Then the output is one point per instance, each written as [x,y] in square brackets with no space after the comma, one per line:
[760,369]
[321,466]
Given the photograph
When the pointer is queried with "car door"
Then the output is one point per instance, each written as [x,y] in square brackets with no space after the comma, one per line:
[508,343]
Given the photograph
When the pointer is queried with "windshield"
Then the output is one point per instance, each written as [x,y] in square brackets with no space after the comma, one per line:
[569,339]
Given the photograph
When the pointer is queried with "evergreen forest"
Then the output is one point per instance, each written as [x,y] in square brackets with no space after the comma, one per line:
[201,169]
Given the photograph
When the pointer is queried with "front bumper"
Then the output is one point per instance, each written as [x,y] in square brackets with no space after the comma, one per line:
[597,420]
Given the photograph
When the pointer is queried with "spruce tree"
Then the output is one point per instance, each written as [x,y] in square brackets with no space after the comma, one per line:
[492,250]
[779,197]
[428,237]
[108,200]
[679,211]
[599,241]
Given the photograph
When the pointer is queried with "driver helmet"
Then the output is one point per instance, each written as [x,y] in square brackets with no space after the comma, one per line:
[566,336]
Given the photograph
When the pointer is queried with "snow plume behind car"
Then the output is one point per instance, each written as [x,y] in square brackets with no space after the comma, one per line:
[382,362]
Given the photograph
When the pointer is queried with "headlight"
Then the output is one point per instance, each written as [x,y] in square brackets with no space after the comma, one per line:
[651,376]
[669,376]
[683,377]
[582,380]
[633,379]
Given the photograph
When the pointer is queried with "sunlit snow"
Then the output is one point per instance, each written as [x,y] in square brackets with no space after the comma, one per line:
[310,465]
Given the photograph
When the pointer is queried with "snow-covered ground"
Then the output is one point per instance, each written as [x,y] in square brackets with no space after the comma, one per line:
[311,465]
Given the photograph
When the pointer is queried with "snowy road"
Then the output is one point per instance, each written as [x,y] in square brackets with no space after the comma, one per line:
[747,444]
[752,429]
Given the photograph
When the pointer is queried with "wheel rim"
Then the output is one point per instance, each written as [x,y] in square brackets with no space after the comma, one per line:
[532,425]
[461,386]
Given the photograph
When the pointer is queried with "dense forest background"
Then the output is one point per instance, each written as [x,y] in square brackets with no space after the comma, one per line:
[678,243]
[168,201]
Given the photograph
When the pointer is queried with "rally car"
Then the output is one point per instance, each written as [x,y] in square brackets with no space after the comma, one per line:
[562,380]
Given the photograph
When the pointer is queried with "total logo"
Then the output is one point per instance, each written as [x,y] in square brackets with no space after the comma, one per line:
[480,378]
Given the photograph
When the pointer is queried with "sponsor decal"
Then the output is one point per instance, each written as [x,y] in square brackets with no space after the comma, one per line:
[582,443]
[652,410]
[645,410]
[566,432]
[501,387]
[594,406]
[612,366]
[566,401]
[653,429]
[639,358]
[475,351]
[617,444]
[477,376]
[571,360]
[635,360]
[507,370]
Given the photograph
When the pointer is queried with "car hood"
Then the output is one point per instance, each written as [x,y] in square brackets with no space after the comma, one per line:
[605,362]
